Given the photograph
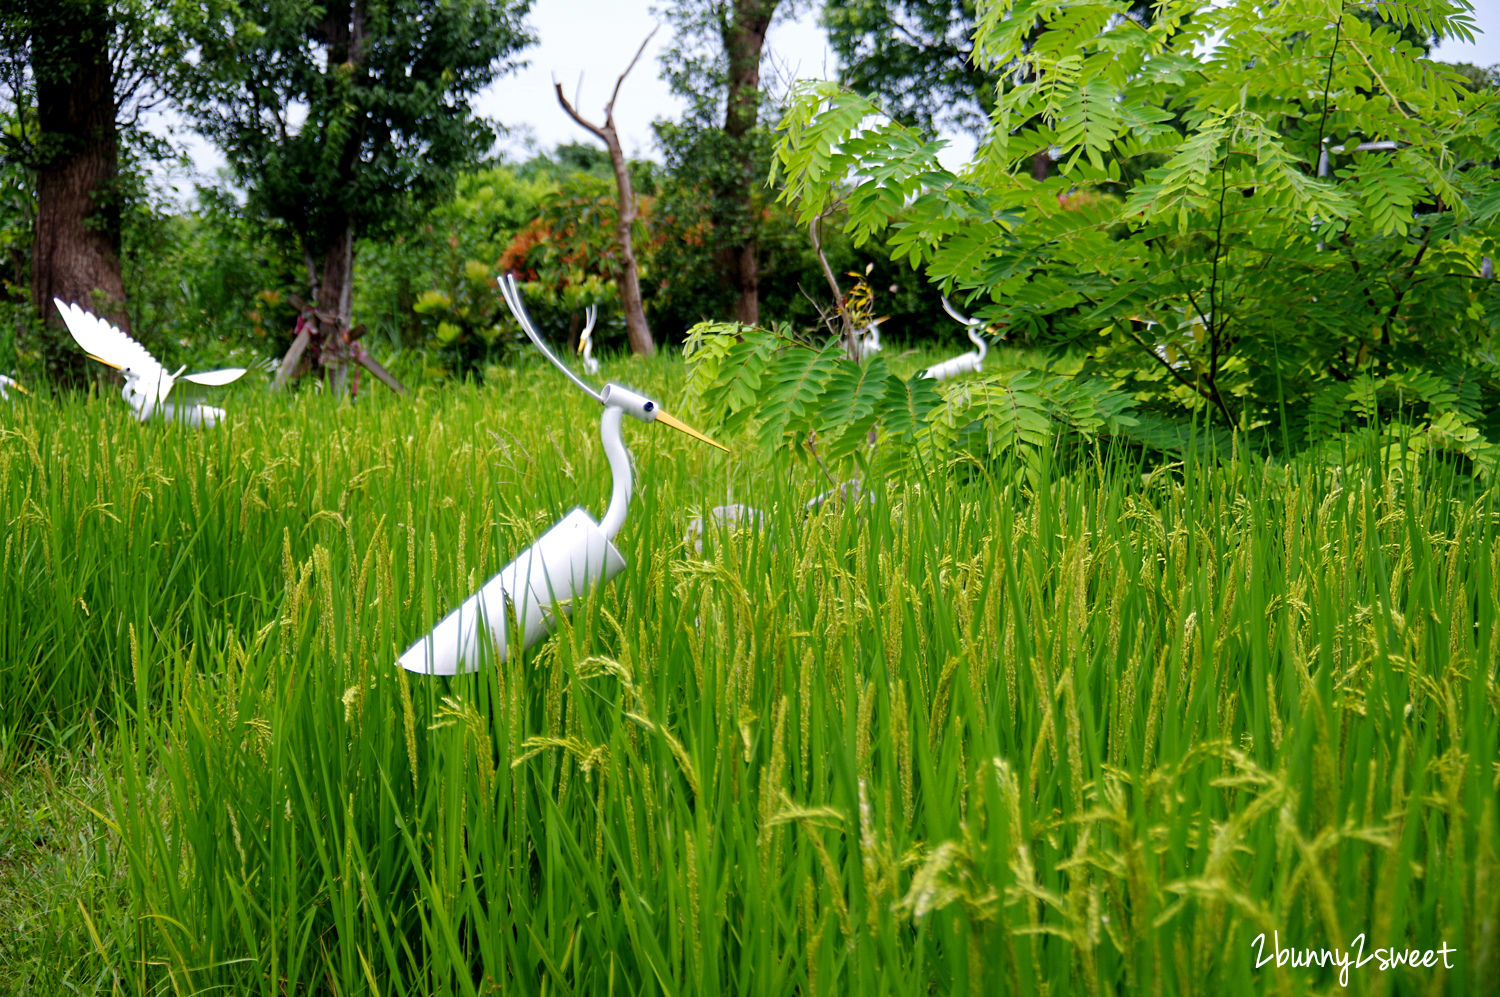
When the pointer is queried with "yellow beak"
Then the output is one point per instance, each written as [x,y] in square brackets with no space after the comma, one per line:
[683,427]
[105,362]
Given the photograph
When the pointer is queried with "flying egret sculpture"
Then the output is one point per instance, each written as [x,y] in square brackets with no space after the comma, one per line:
[586,341]
[567,562]
[6,383]
[147,382]
[964,362]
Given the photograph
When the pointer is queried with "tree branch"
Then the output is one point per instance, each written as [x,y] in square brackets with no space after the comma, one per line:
[1338,30]
[609,109]
[838,296]
[599,132]
[637,331]
[1216,312]
[1400,293]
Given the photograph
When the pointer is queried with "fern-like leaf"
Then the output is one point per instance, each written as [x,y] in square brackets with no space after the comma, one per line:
[856,395]
[794,388]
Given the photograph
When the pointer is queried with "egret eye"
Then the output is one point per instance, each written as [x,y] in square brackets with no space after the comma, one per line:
[649,406]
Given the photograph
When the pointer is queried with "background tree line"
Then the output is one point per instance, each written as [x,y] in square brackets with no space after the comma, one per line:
[363,187]
[368,191]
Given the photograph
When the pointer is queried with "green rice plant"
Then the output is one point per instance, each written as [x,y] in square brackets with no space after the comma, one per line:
[1079,725]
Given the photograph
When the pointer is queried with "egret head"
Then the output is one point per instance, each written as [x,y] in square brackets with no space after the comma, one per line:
[640,407]
[611,396]
[9,382]
[143,390]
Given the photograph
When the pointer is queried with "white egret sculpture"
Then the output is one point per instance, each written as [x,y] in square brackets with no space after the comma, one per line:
[867,341]
[147,382]
[743,520]
[737,518]
[586,341]
[964,362]
[6,384]
[567,562]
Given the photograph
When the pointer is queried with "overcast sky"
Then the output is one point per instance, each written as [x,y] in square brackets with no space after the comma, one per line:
[593,41]
[586,44]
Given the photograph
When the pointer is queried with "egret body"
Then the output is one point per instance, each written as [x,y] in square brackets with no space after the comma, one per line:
[569,560]
[964,362]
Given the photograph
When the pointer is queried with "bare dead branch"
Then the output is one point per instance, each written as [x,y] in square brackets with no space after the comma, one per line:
[599,132]
[292,358]
[609,109]
[637,331]
[374,367]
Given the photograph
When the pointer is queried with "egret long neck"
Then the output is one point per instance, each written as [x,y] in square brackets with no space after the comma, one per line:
[138,398]
[619,467]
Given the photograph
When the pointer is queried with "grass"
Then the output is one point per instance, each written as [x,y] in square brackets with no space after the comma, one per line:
[1090,730]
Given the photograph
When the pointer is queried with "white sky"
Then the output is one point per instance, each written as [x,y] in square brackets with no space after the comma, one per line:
[586,44]
[590,42]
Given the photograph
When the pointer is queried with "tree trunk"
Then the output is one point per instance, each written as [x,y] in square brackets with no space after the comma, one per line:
[744,35]
[332,306]
[76,240]
[637,332]
[1041,165]
[344,36]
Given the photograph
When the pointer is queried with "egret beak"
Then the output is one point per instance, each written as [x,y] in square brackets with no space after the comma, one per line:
[105,362]
[683,427]
[21,388]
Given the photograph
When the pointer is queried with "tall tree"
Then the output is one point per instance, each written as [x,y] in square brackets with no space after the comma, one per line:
[338,116]
[66,83]
[915,57]
[637,332]
[75,78]
[716,66]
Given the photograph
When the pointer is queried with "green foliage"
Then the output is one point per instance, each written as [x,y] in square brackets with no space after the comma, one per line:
[17,217]
[326,129]
[915,57]
[826,137]
[431,285]
[705,196]
[812,397]
[1439,412]
[209,280]
[1189,245]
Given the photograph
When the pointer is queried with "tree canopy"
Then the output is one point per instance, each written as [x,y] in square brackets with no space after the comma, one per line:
[1280,220]
[337,117]
[915,57]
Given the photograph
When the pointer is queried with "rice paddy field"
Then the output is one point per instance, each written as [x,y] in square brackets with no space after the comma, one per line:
[1095,730]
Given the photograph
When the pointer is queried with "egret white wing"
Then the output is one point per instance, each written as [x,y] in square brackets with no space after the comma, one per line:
[216,377]
[106,341]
